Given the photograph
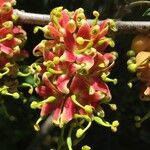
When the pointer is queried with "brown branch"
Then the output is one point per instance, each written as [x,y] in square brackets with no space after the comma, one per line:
[32,18]
[123,26]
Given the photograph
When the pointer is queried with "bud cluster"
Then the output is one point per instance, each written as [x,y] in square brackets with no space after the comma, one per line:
[12,39]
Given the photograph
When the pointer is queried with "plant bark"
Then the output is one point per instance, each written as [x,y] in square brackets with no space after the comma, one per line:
[125,27]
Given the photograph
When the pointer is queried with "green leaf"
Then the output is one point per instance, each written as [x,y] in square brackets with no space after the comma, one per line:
[147,12]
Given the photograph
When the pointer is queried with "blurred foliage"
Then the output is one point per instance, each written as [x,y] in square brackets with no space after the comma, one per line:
[16,121]
[147,12]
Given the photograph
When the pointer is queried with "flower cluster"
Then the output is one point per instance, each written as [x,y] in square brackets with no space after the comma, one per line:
[72,70]
[12,39]
[140,63]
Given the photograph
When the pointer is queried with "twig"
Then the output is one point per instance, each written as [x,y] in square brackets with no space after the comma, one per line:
[133,27]
[31,18]
[123,26]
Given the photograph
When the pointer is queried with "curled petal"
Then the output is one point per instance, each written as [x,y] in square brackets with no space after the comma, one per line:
[48,55]
[5,49]
[47,82]
[54,31]
[57,112]
[64,18]
[62,82]
[78,84]
[98,85]
[46,109]
[88,61]
[12,43]
[68,56]
[104,24]
[102,47]
[68,111]
[84,31]
[43,91]
[71,69]
[5,17]
[4,31]
[69,41]
[109,56]
[18,30]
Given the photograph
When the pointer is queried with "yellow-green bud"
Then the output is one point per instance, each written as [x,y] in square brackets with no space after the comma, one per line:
[95,29]
[113,107]
[56,60]
[137,118]
[85,147]
[114,129]
[34,105]
[80,40]
[8,24]
[131,53]
[132,67]
[112,25]
[115,123]
[96,13]
[9,36]
[15,95]
[79,133]
[130,84]
[88,109]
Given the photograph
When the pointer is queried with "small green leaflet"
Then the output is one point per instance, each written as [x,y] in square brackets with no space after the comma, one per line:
[147,12]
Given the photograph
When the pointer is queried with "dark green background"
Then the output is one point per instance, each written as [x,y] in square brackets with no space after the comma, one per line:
[16,131]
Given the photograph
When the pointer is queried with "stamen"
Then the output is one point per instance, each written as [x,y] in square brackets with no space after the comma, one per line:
[96,14]
[6,69]
[14,95]
[106,79]
[141,120]
[30,91]
[69,140]
[101,121]
[8,24]
[85,117]
[80,131]
[36,126]
[86,147]
[112,25]
[36,104]
[89,45]
[113,107]
[52,71]
[8,37]
[21,74]
[88,108]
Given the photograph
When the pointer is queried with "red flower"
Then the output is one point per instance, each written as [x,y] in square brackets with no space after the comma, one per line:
[12,39]
[76,66]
